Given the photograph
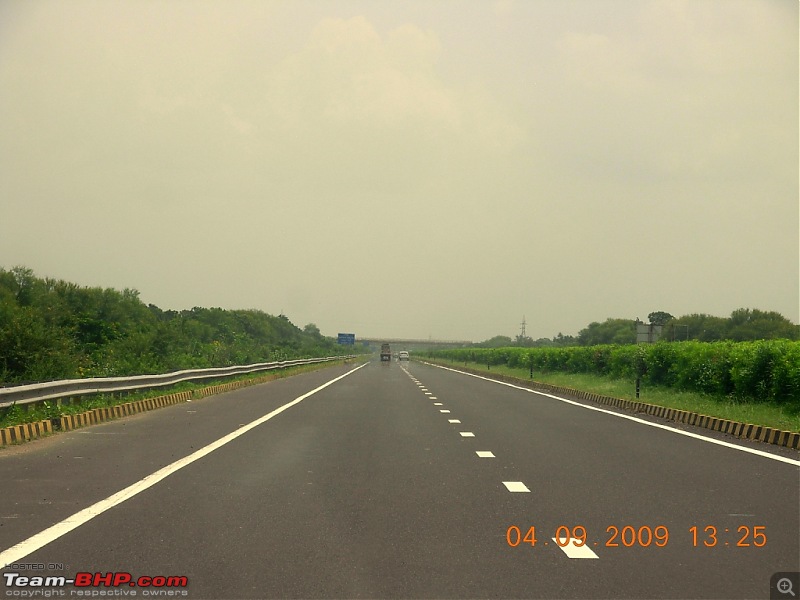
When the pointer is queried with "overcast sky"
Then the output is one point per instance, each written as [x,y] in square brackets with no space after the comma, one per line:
[407,169]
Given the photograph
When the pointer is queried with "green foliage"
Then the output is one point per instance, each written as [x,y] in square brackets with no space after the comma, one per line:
[744,324]
[52,329]
[659,317]
[611,331]
[764,370]
[312,330]
[498,341]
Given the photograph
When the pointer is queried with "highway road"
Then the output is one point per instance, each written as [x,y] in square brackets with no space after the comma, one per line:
[396,480]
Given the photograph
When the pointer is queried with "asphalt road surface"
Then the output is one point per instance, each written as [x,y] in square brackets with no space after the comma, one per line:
[395,480]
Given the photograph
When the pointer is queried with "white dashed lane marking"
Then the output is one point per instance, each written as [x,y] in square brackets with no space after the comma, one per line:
[516,486]
[574,551]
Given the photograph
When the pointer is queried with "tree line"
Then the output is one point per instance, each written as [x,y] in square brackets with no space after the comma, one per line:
[744,324]
[53,329]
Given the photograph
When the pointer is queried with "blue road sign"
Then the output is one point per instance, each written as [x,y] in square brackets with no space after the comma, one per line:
[347,339]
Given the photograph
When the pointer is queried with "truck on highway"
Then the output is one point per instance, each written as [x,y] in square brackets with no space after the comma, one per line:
[386,353]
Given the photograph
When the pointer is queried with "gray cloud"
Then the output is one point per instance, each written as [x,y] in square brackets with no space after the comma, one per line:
[407,170]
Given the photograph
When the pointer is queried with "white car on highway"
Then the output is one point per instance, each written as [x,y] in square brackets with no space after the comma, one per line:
[402,355]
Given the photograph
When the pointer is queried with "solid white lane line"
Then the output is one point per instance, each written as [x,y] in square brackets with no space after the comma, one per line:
[516,486]
[484,453]
[37,541]
[634,419]
[453,420]
[574,551]
[466,433]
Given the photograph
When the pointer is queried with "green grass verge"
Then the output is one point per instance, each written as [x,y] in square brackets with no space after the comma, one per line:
[19,414]
[784,417]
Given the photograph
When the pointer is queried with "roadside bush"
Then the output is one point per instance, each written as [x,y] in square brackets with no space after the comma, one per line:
[786,373]
[702,367]
[758,370]
[581,360]
[622,362]
[660,359]
[766,370]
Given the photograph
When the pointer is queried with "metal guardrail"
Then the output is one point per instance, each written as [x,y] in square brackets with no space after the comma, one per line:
[71,388]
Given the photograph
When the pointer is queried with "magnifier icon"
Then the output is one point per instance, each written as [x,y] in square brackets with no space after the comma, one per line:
[785,586]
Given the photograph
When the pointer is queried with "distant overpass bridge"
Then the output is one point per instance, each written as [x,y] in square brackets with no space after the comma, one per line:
[405,344]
